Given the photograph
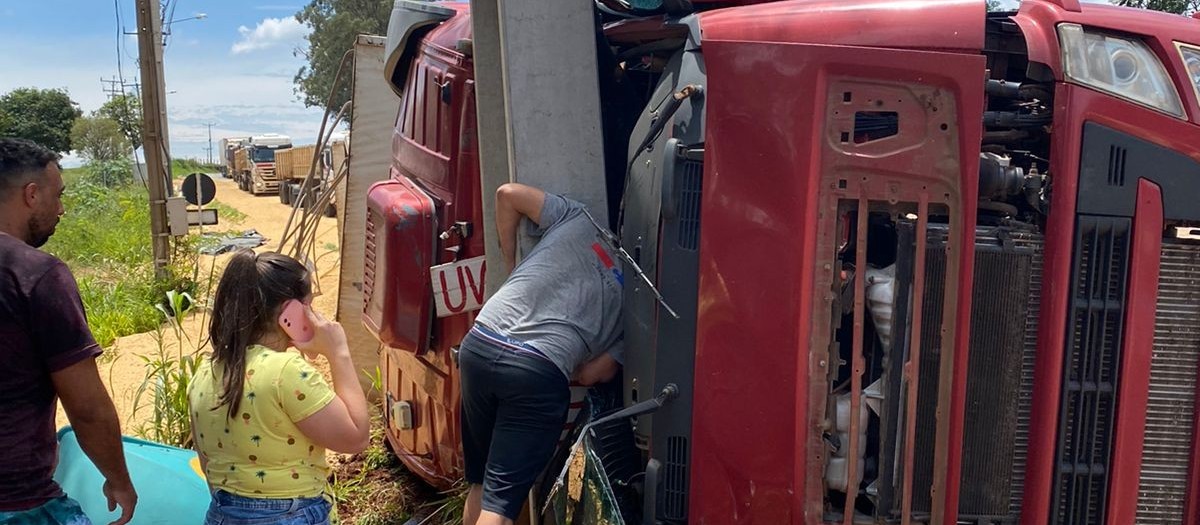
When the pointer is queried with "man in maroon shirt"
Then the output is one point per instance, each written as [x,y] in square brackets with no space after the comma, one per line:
[46,352]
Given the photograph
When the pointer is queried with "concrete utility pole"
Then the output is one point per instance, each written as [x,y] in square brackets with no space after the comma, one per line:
[154,129]
[539,123]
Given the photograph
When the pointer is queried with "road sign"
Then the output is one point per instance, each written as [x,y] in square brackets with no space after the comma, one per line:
[205,184]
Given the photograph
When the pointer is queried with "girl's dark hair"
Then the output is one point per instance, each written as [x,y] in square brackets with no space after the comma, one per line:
[252,291]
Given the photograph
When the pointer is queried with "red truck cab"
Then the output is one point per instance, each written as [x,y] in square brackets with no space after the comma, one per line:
[932,264]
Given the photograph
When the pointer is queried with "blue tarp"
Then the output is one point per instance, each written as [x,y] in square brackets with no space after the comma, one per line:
[170,486]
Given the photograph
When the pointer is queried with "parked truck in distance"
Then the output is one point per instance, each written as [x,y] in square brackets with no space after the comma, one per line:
[257,174]
[292,166]
[229,148]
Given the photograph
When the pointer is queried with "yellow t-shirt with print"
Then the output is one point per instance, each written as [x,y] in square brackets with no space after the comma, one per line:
[260,453]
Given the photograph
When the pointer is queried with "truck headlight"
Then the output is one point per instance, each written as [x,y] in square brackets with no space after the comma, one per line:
[1191,59]
[1117,65]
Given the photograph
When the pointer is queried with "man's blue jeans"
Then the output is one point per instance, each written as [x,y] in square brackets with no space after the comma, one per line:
[58,511]
[231,509]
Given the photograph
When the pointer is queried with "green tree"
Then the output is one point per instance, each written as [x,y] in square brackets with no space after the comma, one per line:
[44,116]
[126,110]
[1181,7]
[99,139]
[335,24]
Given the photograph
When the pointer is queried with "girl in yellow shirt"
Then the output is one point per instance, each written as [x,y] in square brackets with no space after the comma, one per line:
[262,417]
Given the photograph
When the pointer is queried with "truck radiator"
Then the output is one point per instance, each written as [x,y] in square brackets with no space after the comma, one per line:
[1087,407]
[1004,319]
[1170,414]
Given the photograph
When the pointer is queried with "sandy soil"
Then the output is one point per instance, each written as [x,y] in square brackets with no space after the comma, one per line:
[125,373]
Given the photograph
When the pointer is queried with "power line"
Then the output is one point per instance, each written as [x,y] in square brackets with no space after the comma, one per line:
[120,30]
[168,14]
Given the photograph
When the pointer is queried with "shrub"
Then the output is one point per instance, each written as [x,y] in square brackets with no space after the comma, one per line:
[105,239]
[110,173]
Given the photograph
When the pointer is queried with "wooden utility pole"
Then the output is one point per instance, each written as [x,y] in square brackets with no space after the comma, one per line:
[154,128]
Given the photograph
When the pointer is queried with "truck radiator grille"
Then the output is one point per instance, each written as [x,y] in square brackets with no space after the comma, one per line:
[1170,414]
[1020,456]
[369,257]
[1004,322]
[1090,369]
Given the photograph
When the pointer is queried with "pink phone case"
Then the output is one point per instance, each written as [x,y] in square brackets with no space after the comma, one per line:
[294,323]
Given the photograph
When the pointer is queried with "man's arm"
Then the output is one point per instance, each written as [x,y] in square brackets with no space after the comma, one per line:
[512,201]
[599,370]
[92,415]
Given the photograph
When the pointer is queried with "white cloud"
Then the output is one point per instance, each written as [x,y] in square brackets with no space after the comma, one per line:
[71,160]
[269,33]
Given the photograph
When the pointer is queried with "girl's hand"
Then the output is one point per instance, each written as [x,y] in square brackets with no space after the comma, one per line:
[329,338]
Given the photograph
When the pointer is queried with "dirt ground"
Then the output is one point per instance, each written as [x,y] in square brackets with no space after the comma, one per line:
[125,373]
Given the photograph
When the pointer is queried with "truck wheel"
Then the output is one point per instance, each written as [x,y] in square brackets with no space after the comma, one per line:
[283,194]
[294,195]
[330,210]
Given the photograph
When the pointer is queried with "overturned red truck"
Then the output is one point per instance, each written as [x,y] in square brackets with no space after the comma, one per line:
[933,264]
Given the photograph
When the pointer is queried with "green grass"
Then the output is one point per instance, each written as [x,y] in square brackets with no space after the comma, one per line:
[105,239]
[374,488]
[181,168]
[227,214]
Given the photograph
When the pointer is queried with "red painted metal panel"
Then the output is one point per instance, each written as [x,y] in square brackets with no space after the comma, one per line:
[447,171]
[1137,351]
[912,368]
[752,341]
[399,309]
[762,462]
[1074,105]
[873,23]
[857,362]
[1069,5]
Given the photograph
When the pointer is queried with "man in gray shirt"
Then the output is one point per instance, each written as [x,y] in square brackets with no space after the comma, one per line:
[556,318]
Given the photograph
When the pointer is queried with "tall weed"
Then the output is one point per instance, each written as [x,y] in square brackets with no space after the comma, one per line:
[168,377]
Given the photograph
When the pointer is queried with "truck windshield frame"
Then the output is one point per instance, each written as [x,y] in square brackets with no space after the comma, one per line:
[262,155]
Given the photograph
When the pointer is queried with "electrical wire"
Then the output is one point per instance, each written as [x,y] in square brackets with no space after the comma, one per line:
[120,30]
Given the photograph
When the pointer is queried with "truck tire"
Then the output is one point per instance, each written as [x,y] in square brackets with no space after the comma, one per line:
[330,210]
[284,194]
[294,195]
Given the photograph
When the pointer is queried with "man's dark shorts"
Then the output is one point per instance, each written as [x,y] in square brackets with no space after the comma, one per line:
[514,404]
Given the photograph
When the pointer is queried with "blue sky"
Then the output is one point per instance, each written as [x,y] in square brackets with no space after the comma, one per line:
[233,68]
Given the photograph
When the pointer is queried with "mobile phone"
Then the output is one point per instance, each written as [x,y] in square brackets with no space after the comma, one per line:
[295,323]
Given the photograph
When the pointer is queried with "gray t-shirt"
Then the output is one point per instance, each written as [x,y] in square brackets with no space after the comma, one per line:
[564,297]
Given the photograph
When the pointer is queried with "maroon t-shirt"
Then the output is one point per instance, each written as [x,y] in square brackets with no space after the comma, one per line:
[42,330]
